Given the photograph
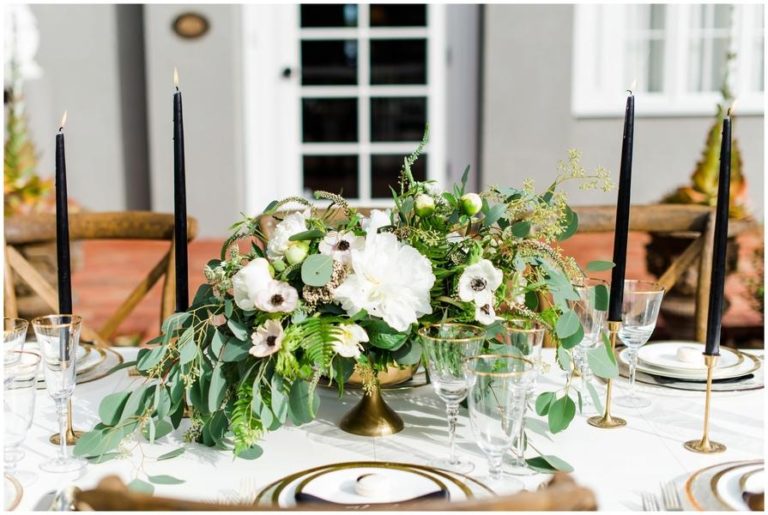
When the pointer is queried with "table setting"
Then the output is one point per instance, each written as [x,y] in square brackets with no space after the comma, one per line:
[443,353]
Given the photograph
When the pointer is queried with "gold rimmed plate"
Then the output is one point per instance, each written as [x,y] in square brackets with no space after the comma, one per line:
[282,492]
[108,358]
[700,488]
[728,485]
[12,492]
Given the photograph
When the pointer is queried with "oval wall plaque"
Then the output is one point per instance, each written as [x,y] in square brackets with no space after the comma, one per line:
[190,25]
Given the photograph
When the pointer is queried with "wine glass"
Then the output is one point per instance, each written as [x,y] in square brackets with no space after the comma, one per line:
[639,311]
[446,346]
[592,320]
[523,338]
[19,392]
[58,337]
[498,388]
[14,335]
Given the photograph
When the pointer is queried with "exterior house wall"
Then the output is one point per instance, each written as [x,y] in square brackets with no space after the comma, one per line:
[528,126]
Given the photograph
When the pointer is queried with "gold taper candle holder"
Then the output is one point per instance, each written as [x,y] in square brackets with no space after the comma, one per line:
[705,445]
[72,435]
[606,421]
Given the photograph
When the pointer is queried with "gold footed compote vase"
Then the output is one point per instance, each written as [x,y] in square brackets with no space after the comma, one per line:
[371,416]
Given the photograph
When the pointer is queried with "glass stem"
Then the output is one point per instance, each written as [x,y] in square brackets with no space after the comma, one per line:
[452,410]
[61,411]
[632,368]
[494,467]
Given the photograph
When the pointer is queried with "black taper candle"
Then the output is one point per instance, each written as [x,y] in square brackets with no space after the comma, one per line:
[180,201]
[621,230]
[717,282]
[62,225]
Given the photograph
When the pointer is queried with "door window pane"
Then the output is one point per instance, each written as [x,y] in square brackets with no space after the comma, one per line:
[398,61]
[337,174]
[336,15]
[328,62]
[398,118]
[385,172]
[329,120]
[398,15]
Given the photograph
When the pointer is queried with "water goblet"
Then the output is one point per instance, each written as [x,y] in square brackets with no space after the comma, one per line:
[523,338]
[446,346]
[592,320]
[19,391]
[639,311]
[58,337]
[14,335]
[498,388]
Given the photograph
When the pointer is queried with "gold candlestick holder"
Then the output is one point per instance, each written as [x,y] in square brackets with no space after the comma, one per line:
[705,445]
[72,435]
[606,420]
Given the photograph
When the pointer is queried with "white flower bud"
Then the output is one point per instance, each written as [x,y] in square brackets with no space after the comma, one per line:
[297,252]
[425,205]
[471,203]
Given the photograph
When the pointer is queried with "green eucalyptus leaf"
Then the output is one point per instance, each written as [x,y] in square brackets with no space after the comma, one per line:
[493,214]
[251,453]
[317,270]
[521,229]
[203,295]
[571,224]
[382,336]
[171,454]
[574,339]
[542,403]
[531,300]
[548,464]
[598,297]
[174,321]
[235,350]
[537,426]
[133,405]
[137,485]
[601,362]
[187,347]
[595,397]
[599,266]
[151,358]
[563,358]
[307,235]
[165,479]
[240,332]
[408,354]
[279,398]
[567,324]
[112,406]
[217,388]
[125,364]
[303,403]
[561,413]
[217,342]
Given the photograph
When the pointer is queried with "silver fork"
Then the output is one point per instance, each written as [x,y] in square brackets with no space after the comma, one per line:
[670,497]
[649,502]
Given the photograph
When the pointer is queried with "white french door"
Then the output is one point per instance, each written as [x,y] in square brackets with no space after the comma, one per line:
[336,95]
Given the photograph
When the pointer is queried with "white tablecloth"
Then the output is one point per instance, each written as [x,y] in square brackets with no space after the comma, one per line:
[617,463]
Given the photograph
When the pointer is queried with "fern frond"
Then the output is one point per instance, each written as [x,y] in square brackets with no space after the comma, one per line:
[247,429]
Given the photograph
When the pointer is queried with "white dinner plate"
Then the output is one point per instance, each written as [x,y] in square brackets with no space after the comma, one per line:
[702,490]
[728,487]
[664,355]
[12,492]
[746,367]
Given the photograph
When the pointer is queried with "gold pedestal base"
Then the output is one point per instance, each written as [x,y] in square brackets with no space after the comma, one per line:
[72,437]
[704,446]
[372,417]
[606,421]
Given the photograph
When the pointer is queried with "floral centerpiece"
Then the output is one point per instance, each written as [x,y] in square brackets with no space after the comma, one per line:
[332,290]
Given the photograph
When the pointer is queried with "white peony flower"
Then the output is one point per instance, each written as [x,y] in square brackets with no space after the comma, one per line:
[376,220]
[250,280]
[277,296]
[425,205]
[348,340]
[339,245]
[479,280]
[267,339]
[390,280]
[279,241]
[484,312]
[433,188]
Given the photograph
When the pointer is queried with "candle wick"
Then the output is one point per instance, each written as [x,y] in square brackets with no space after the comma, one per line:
[630,92]
[61,128]
[177,88]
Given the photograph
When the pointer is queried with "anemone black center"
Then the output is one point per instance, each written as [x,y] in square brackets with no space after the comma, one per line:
[271,340]
[343,245]
[276,299]
[486,309]
[478,284]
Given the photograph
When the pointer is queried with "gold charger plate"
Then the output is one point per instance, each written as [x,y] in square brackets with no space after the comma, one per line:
[280,484]
[19,492]
[691,482]
[742,481]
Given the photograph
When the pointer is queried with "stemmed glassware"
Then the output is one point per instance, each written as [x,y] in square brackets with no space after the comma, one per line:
[498,387]
[639,311]
[522,338]
[446,346]
[592,321]
[19,391]
[58,337]
[14,335]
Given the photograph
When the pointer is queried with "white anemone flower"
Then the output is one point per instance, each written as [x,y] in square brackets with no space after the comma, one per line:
[279,240]
[339,245]
[277,296]
[484,312]
[376,220]
[348,341]
[267,339]
[390,280]
[249,281]
[478,280]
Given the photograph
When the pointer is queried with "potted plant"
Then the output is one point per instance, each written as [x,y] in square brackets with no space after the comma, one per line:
[679,307]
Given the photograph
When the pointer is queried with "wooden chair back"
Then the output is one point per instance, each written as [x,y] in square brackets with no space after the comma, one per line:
[129,225]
